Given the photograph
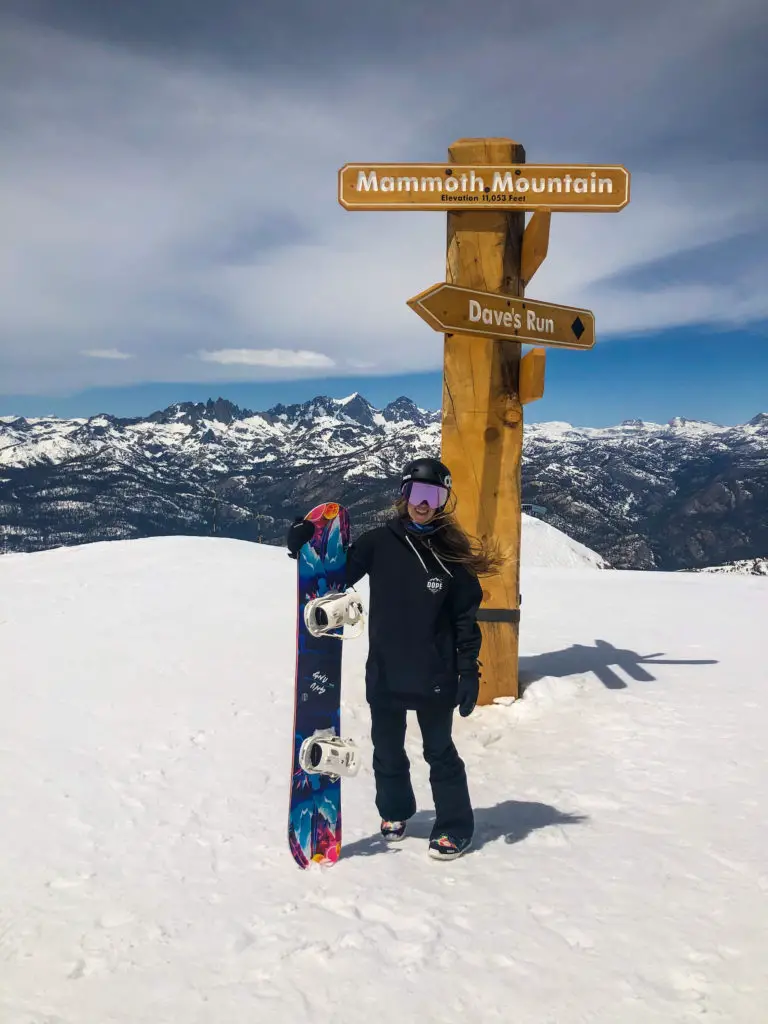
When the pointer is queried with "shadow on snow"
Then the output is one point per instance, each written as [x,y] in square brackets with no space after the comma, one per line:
[513,821]
[600,660]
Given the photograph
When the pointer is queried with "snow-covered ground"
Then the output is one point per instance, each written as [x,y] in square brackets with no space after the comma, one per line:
[619,873]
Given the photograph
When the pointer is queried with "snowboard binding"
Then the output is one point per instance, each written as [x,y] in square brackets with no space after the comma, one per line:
[333,611]
[324,753]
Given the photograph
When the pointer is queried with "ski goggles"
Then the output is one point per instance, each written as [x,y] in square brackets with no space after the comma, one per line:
[417,492]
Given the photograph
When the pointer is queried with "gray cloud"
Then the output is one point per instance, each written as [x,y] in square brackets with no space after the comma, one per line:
[170,185]
[105,353]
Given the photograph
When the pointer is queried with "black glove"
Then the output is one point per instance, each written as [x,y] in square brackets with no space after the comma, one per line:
[299,533]
[469,688]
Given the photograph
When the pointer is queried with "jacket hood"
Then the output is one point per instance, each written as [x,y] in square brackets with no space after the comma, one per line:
[398,527]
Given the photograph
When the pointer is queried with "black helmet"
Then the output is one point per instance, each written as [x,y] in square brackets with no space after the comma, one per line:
[427,471]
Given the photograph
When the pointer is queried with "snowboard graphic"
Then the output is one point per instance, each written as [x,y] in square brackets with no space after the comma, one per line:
[314,824]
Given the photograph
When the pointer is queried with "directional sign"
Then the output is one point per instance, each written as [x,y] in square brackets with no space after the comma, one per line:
[454,310]
[580,188]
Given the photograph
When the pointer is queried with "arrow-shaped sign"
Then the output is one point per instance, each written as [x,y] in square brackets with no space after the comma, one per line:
[451,309]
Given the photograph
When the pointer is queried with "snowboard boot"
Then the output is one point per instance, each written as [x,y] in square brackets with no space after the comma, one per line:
[393,831]
[444,847]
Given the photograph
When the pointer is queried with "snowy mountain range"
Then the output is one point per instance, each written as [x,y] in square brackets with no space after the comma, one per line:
[742,567]
[686,494]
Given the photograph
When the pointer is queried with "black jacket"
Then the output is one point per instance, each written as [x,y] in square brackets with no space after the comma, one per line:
[422,617]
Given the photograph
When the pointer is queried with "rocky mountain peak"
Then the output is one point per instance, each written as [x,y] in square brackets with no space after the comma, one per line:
[403,409]
[220,410]
[356,408]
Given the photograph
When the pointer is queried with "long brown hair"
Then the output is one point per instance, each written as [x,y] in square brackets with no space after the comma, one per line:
[454,544]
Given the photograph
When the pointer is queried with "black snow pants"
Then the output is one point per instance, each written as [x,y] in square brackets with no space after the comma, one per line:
[395,800]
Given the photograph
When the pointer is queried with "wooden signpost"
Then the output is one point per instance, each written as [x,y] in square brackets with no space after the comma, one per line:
[486,188]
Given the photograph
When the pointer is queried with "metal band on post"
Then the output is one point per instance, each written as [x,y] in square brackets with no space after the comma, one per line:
[498,615]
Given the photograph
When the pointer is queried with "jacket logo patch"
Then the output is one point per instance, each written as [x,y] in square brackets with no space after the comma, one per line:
[434,584]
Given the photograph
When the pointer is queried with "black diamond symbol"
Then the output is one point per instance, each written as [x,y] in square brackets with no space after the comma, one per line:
[577,327]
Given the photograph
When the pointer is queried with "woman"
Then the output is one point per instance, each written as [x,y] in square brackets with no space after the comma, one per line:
[424,643]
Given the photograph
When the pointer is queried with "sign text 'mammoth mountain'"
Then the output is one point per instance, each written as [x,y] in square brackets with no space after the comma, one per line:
[562,187]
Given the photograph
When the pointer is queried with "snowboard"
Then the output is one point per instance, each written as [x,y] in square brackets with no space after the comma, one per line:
[314,822]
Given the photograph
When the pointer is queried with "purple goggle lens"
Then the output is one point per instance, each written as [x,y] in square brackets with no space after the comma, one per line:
[434,496]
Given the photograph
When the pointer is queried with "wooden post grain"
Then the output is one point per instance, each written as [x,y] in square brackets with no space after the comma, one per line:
[482,418]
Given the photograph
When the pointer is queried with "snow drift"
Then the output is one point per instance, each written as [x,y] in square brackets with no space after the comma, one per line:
[545,547]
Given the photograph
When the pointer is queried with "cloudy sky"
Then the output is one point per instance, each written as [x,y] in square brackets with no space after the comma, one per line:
[168,180]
